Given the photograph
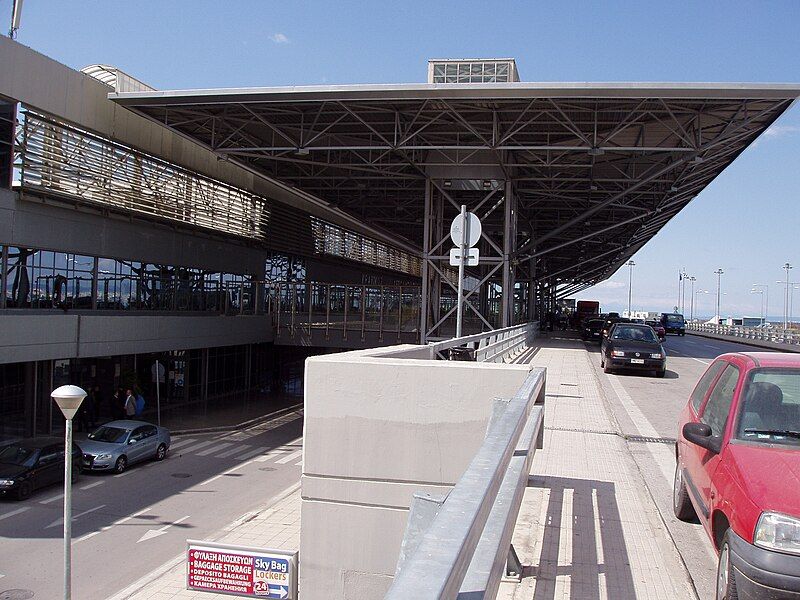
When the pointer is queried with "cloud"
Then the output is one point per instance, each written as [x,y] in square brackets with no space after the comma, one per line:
[611,284]
[279,38]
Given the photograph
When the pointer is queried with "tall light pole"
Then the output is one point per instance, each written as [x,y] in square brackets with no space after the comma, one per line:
[761,293]
[68,398]
[719,273]
[786,268]
[630,264]
[766,299]
[691,298]
[684,277]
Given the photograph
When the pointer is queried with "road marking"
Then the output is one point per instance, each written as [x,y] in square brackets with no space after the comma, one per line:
[198,446]
[213,449]
[180,443]
[251,453]
[91,485]
[60,521]
[152,533]
[14,512]
[704,362]
[52,499]
[117,522]
[126,472]
[236,448]
[298,464]
[289,457]
[224,473]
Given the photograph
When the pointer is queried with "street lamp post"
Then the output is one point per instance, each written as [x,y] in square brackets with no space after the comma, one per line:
[786,268]
[766,299]
[691,298]
[761,293]
[719,273]
[684,277]
[68,398]
[630,264]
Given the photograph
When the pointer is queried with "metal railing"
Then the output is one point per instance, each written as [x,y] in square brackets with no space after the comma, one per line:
[346,308]
[490,346]
[764,334]
[458,546]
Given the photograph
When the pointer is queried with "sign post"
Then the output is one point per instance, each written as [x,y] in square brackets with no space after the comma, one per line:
[241,570]
[465,231]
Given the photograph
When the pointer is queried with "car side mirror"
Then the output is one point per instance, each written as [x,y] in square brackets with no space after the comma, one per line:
[701,435]
[132,442]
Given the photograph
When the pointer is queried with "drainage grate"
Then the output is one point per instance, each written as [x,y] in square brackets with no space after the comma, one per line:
[579,430]
[16,595]
[650,440]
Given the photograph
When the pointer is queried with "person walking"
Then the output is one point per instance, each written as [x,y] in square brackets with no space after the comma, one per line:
[130,405]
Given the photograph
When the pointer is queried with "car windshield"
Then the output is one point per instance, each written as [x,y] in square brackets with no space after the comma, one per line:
[770,410]
[114,435]
[673,319]
[639,334]
[18,455]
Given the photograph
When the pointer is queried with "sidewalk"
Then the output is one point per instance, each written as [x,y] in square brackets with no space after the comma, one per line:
[587,528]
[276,525]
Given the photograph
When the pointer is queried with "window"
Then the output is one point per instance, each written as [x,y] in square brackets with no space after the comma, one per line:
[139,434]
[715,414]
[699,393]
[770,407]
[51,454]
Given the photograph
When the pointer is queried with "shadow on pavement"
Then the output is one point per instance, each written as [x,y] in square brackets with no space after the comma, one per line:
[585,568]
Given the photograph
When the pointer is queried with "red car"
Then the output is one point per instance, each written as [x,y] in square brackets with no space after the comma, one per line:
[738,470]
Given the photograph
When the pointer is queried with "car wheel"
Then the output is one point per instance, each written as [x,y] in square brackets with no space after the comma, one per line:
[681,504]
[661,373]
[726,582]
[121,464]
[24,490]
[161,452]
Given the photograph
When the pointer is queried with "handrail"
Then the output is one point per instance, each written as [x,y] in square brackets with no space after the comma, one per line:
[438,558]
[765,334]
[491,346]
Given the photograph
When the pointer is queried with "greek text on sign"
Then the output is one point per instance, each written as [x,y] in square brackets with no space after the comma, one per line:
[241,571]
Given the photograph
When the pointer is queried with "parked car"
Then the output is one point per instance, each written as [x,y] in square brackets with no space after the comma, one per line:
[659,329]
[673,323]
[633,346]
[34,463]
[118,444]
[738,470]
[592,330]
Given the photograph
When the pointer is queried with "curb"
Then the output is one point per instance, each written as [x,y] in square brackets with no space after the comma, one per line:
[242,425]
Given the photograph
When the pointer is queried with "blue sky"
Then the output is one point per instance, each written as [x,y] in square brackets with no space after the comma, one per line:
[747,221]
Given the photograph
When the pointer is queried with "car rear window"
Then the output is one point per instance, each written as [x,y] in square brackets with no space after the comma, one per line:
[674,319]
[770,407]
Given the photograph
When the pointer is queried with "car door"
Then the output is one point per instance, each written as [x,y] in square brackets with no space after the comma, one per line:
[50,467]
[136,445]
[149,442]
[715,414]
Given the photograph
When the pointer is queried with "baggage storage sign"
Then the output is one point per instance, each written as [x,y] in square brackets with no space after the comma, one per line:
[240,570]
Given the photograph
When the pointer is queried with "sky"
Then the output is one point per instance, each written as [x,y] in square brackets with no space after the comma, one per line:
[746,221]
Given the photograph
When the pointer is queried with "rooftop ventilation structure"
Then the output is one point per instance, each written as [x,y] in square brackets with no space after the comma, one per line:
[472,70]
[117,79]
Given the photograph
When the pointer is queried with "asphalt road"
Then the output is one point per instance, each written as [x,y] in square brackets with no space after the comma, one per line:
[127,525]
[647,410]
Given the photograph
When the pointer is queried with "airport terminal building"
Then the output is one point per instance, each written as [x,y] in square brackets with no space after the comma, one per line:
[229,234]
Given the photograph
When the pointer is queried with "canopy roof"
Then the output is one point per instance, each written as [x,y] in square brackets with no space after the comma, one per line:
[597,168]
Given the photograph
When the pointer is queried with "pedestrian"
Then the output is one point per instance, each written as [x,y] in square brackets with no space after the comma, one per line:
[130,405]
[118,404]
[139,403]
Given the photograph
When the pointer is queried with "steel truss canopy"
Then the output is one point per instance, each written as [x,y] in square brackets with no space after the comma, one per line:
[596,169]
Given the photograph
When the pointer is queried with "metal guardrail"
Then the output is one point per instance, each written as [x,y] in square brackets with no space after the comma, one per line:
[764,334]
[457,546]
[490,346]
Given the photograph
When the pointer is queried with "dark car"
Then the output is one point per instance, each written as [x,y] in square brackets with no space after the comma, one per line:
[633,346]
[592,330]
[659,329]
[34,463]
[673,323]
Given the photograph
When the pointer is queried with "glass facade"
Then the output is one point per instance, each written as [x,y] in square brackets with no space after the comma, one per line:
[473,71]
[34,278]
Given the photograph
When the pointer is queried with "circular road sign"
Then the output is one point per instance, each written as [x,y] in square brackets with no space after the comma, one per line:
[473,230]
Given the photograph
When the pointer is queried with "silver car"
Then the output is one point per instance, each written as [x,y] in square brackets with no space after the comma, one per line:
[118,444]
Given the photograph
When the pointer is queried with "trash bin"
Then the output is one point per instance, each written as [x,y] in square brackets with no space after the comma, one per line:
[462,353]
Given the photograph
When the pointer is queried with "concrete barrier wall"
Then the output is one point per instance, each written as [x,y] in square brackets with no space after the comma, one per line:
[45,335]
[379,426]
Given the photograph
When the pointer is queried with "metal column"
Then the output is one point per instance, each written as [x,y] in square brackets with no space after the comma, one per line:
[509,229]
[426,246]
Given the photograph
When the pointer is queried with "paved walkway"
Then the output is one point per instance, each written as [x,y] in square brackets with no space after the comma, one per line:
[276,525]
[588,528]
